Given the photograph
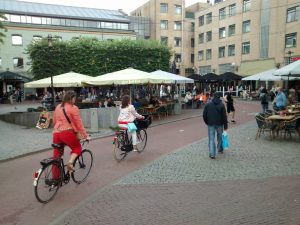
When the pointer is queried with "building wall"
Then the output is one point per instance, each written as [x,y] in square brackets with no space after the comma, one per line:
[151,9]
[266,36]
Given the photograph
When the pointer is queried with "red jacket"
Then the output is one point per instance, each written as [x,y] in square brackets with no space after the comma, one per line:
[61,123]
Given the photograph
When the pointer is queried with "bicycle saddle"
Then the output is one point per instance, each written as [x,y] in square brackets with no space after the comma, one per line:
[59,146]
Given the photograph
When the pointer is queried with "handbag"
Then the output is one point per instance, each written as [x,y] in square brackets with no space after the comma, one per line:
[131,127]
[78,134]
[225,141]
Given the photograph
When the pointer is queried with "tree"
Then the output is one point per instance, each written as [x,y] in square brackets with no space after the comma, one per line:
[2,27]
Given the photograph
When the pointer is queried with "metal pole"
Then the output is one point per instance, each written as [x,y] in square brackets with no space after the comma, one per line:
[51,75]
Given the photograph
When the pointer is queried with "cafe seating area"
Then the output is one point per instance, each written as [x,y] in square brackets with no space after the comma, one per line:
[280,124]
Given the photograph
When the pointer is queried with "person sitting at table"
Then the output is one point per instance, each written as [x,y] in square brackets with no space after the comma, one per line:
[110,102]
[280,100]
[136,104]
[188,98]
[154,101]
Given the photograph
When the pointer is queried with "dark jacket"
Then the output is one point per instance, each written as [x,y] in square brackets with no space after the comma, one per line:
[214,113]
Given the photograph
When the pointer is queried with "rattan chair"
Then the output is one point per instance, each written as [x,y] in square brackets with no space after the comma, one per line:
[264,126]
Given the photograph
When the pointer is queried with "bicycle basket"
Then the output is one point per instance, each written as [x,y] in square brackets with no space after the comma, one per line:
[145,123]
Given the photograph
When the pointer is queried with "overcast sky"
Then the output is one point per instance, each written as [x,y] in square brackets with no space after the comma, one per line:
[127,5]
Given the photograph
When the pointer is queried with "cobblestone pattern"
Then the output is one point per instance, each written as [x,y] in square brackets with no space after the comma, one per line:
[247,158]
[270,201]
[255,182]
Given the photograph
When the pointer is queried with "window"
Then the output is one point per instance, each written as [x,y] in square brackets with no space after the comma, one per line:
[200,55]
[292,14]
[15,18]
[177,42]
[246,26]
[232,10]
[163,7]
[193,27]
[201,21]
[18,62]
[231,50]
[231,30]
[177,25]
[208,18]
[36,20]
[201,38]
[192,42]
[208,36]
[16,39]
[164,24]
[192,58]
[222,32]
[222,14]
[37,38]
[290,40]
[246,48]
[178,9]
[164,40]
[221,52]
[208,54]
[246,5]
[178,58]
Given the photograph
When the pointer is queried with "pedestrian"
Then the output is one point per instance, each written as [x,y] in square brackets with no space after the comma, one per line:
[264,100]
[230,105]
[214,115]
[67,123]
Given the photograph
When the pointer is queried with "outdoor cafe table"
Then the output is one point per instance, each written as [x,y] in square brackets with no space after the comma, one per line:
[279,120]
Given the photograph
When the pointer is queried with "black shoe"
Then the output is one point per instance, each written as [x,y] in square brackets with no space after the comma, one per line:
[212,157]
[221,152]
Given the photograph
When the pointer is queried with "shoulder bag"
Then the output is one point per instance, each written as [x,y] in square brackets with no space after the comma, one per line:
[78,134]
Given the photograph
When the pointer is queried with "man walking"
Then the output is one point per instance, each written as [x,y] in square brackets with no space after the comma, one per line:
[214,115]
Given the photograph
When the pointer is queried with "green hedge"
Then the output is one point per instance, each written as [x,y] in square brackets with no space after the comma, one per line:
[94,57]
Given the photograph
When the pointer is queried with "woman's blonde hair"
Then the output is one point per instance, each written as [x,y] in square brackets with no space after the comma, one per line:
[125,101]
[67,98]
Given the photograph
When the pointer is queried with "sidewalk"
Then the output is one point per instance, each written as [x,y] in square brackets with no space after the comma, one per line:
[19,140]
[254,182]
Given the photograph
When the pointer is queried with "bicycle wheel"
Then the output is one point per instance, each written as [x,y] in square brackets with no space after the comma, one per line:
[82,165]
[46,187]
[118,153]
[141,140]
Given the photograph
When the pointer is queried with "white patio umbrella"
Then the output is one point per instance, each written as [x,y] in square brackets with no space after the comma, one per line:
[176,78]
[266,76]
[127,76]
[292,70]
[70,79]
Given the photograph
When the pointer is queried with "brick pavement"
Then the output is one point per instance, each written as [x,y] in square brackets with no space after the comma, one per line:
[17,141]
[254,182]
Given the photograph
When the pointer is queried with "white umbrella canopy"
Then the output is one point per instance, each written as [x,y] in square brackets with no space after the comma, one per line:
[176,78]
[70,79]
[266,76]
[125,77]
[292,70]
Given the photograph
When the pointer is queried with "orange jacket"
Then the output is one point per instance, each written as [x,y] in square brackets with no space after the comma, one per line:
[61,123]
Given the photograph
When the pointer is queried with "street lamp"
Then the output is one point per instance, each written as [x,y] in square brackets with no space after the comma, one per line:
[49,51]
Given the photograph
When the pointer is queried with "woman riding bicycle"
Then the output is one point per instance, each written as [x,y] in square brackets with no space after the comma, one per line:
[128,115]
[67,123]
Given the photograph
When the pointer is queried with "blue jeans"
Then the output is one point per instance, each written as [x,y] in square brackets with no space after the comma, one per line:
[212,130]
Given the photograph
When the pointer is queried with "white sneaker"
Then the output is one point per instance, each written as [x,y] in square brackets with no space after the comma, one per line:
[38,127]
[134,148]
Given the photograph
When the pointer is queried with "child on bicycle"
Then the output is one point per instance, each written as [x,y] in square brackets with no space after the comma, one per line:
[64,132]
[128,115]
